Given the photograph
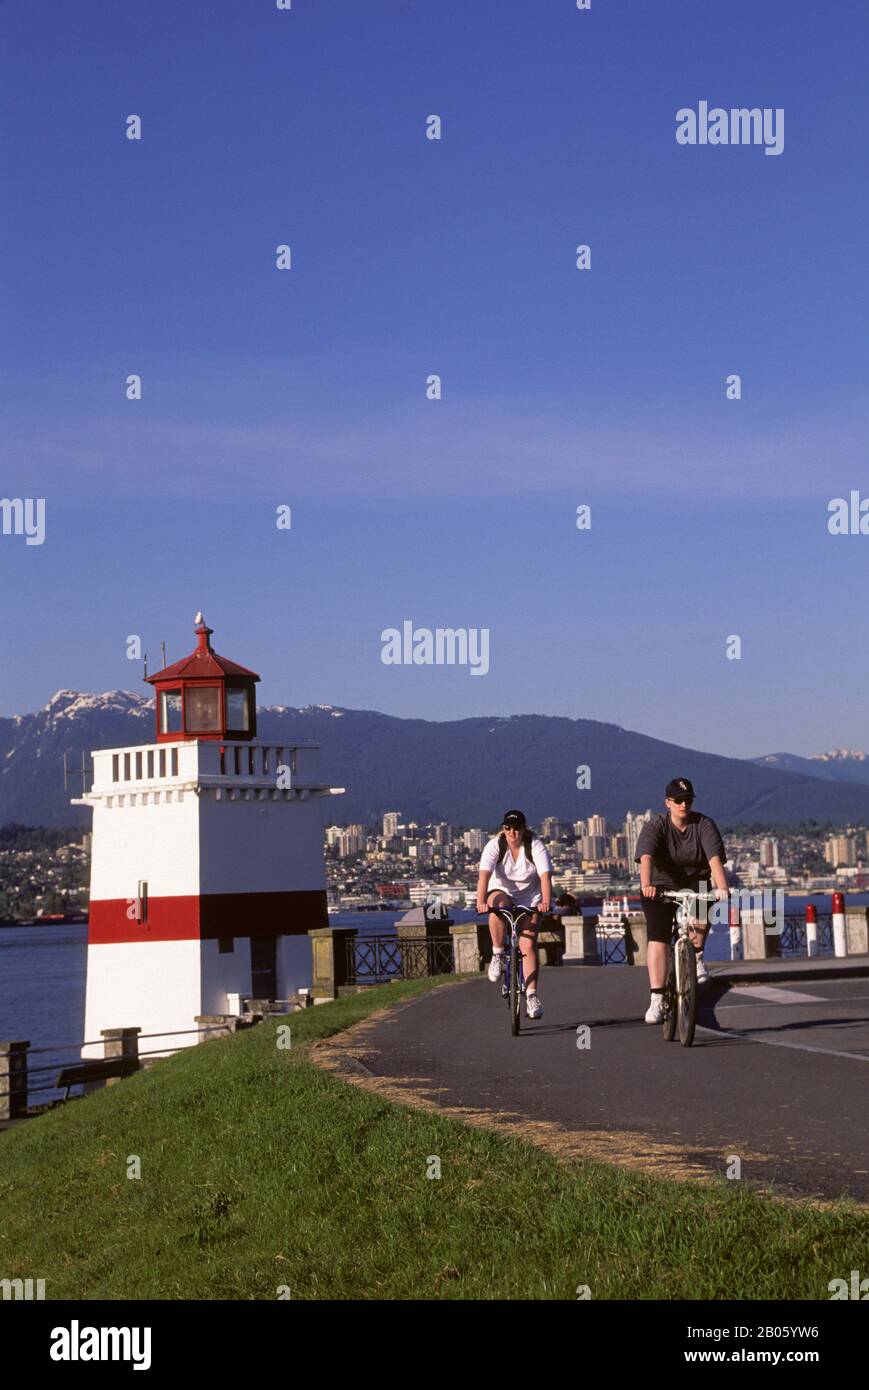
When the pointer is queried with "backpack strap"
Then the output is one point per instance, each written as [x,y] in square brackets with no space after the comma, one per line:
[527,842]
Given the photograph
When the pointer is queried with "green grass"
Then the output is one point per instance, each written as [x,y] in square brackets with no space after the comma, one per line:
[260,1170]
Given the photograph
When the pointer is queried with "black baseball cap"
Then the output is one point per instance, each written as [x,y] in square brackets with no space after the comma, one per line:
[680,786]
[515,820]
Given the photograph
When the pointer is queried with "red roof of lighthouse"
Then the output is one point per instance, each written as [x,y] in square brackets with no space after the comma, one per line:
[202,664]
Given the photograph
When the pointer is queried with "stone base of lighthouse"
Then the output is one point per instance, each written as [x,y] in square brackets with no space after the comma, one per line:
[207,875]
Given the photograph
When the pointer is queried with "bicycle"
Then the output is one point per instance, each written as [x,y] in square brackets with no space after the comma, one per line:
[680,990]
[513,983]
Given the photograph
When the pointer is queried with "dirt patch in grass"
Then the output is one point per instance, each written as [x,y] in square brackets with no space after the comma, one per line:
[355,1057]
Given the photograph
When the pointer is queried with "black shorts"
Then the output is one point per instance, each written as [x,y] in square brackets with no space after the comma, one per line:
[660,914]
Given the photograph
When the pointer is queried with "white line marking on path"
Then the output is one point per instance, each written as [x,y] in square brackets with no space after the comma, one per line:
[775,1042]
[836,1003]
[771,994]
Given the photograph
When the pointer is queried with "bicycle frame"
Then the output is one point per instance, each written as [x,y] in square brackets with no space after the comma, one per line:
[512,918]
[512,990]
[681,1000]
[685,898]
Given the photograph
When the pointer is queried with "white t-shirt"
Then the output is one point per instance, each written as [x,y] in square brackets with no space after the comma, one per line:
[516,876]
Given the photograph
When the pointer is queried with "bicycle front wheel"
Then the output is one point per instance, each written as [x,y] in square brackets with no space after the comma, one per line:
[515,991]
[669,1021]
[687,991]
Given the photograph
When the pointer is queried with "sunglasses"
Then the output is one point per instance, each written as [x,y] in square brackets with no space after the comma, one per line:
[683,800]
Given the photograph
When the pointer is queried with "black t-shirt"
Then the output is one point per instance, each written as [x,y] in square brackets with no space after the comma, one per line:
[680,858]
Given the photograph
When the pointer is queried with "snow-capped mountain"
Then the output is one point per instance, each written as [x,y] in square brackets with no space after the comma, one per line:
[464,771]
[839,765]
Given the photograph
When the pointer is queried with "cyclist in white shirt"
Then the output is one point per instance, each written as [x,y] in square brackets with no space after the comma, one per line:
[515,870]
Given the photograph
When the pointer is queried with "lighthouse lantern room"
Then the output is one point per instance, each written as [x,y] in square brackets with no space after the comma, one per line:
[207,865]
[205,695]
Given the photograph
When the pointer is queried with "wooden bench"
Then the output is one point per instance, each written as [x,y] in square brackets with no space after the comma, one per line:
[100,1069]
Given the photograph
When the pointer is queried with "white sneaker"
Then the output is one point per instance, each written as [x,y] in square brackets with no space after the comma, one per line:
[702,971]
[533,1006]
[496,967]
[655,1011]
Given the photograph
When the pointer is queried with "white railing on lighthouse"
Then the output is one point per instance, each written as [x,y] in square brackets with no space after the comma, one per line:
[205,763]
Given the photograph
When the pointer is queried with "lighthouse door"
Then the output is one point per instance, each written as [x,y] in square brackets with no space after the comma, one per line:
[263,967]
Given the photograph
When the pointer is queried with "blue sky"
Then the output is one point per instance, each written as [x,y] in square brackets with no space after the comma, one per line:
[411,256]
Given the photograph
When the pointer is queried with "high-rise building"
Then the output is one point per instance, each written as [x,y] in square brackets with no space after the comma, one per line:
[579,829]
[391,822]
[632,828]
[351,841]
[550,828]
[443,833]
[769,853]
[474,839]
[840,851]
[597,825]
[594,847]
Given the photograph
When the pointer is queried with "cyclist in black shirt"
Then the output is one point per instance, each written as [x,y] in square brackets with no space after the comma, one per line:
[679,849]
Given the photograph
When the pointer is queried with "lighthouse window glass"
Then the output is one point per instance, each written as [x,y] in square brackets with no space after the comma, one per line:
[170,712]
[236,710]
[202,709]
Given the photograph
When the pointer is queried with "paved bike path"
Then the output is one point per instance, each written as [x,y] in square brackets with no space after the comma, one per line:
[778,1074]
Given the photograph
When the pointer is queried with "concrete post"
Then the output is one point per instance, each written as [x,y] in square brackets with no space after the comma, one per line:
[416,964]
[636,938]
[857,930]
[755,942]
[329,953]
[13,1079]
[574,940]
[119,1042]
[471,945]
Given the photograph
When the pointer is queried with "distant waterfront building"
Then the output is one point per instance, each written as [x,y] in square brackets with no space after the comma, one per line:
[421,851]
[443,833]
[632,827]
[474,839]
[593,846]
[589,882]
[580,828]
[840,851]
[351,841]
[550,828]
[391,822]
[597,825]
[769,853]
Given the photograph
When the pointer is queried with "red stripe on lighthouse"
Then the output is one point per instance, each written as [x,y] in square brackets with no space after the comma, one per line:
[206,917]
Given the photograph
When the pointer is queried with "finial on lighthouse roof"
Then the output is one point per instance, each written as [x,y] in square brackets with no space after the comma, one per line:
[203,632]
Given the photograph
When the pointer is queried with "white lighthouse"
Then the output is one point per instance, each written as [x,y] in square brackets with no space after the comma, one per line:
[207,867]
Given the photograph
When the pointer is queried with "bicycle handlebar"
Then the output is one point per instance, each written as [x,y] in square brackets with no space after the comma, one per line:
[553,911]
